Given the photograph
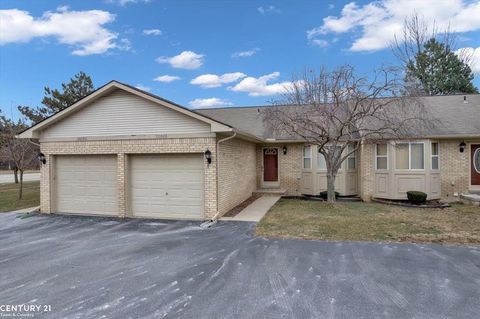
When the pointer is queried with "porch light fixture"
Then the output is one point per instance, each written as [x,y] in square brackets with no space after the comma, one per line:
[284,150]
[208,156]
[41,157]
[462,147]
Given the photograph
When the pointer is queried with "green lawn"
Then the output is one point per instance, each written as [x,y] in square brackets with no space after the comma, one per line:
[296,218]
[9,195]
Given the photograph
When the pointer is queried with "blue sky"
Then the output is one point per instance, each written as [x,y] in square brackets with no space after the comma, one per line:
[204,53]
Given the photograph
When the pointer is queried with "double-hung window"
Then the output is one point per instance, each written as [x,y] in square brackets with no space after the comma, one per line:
[321,163]
[307,157]
[352,158]
[410,156]
[435,155]
[381,156]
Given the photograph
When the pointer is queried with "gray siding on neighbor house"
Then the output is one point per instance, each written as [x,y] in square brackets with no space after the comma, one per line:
[124,114]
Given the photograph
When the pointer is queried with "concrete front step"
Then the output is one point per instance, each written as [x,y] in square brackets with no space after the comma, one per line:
[472,199]
[270,192]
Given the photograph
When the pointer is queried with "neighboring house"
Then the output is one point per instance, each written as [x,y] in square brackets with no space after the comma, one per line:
[124,152]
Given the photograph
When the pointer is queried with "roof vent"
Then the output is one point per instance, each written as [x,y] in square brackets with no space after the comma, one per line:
[465,99]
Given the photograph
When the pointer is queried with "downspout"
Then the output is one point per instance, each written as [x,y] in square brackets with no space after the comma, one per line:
[217,215]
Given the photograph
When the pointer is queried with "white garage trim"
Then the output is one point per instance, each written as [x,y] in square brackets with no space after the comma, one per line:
[85,184]
[169,186]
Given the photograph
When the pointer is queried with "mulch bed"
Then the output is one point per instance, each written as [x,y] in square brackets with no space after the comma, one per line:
[428,204]
[237,209]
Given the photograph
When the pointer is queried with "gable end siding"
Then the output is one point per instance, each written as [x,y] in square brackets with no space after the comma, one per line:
[121,113]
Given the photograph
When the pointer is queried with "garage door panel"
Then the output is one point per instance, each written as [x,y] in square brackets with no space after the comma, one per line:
[86,184]
[167,186]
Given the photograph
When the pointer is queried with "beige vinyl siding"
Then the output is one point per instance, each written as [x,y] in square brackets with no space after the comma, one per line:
[124,114]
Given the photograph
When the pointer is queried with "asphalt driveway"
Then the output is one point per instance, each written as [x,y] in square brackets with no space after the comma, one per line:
[92,267]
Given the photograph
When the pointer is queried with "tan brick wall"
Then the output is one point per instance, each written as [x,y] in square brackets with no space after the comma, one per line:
[366,173]
[290,166]
[454,167]
[122,148]
[236,173]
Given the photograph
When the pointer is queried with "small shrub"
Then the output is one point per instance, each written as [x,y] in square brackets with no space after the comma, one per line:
[416,197]
[324,194]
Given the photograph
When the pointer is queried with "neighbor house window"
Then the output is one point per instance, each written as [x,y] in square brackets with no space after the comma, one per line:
[381,156]
[352,158]
[321,163]
[434,155]
[307,157]
[409,156]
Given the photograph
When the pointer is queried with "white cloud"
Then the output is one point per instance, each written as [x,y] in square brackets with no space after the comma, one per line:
[209,102]
[83,30]
[143,87]
[472,56]
[186,60]
[166,78]
[268,9]
[213,80]
[260,87]
[244,54]
[320,43]
[152,32]
[379,21]
[126,2]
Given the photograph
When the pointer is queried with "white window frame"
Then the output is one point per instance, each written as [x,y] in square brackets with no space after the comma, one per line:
[354,156]
[437,156]
[377,156]
[410,157]
[303,157]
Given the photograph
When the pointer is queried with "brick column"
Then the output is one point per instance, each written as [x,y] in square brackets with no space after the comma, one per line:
[121,184]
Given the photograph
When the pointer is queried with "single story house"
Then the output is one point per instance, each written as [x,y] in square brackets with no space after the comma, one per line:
[124,152]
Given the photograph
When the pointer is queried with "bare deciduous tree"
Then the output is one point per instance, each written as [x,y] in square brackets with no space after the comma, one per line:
[21,153]
[337,110]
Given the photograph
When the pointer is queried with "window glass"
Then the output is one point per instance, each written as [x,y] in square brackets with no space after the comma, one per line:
[401,156]
[321,164]
[381,163]
[417,156]
[382,149]
[307,157]
[434,155]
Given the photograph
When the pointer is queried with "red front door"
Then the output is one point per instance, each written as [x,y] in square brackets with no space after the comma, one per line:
[270,164]
[475,165]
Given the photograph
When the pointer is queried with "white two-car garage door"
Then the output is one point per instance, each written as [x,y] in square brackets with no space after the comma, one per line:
[166,186]
[86,184]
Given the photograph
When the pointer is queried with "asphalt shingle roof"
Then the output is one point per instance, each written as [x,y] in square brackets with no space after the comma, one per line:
[454,117]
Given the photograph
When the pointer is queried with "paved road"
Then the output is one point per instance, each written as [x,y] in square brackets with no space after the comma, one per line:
[8,178]
[92,267]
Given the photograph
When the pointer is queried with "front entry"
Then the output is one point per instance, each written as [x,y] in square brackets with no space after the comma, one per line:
[270,166]
[475,164]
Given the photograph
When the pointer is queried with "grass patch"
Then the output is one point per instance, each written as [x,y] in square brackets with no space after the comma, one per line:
[9,196]
[295,218]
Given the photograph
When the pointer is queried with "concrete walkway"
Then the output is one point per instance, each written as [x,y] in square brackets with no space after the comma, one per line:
[256,210]
[27,210]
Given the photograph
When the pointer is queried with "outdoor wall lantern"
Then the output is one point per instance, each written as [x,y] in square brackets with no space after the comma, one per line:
[462,147]
[284,150]
[41,158]
[208,156]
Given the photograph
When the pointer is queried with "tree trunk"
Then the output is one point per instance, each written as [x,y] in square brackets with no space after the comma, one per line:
[15,174]
[331,188]
[20,190]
